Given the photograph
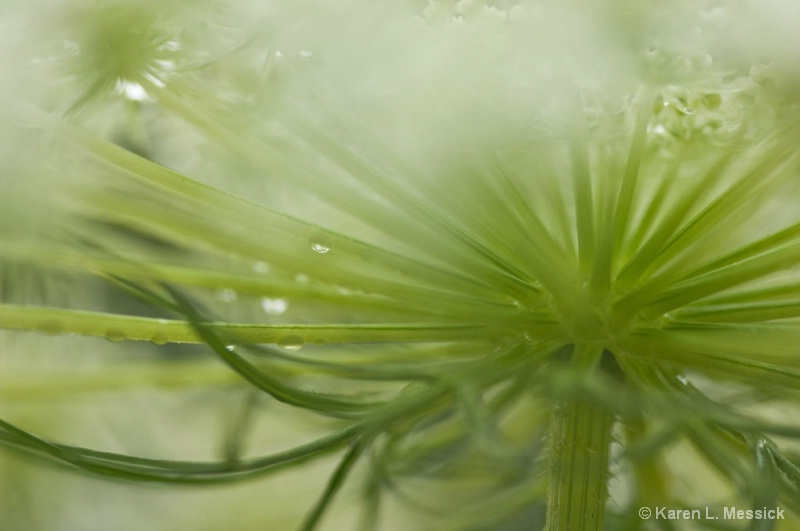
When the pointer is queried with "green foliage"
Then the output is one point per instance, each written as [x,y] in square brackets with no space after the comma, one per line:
[516,263]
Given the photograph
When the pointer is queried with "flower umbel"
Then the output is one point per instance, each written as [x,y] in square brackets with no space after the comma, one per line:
[514,263]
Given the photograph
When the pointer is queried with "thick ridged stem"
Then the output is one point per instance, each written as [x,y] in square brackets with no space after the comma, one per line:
[580,441]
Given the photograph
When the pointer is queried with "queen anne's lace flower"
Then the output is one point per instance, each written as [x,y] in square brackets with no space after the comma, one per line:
[533,265]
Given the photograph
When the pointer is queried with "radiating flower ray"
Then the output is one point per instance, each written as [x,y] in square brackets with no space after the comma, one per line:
[763,245]
[287,247]
[99,324]
[739,193]
[715,363]
[440,212]
[767,342]
[403,223]
[583,202]
[140,216]
[726,277]
[770,290]
[669,214]
[742,312]
[648,232]
[509,189]
[543,199]
[238,209]
[424,187]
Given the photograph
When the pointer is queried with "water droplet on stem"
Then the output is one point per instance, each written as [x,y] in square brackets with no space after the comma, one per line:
[115,335]
[160,338]
[321,244]
[291,343]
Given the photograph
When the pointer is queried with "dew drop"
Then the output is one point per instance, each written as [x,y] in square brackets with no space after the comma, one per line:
[115,334]
[230,348]
[681,107]
[321,244]
[274,306]
[160,338]
[302,278]
[291,343]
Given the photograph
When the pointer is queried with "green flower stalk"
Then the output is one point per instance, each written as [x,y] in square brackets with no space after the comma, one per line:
[469,265]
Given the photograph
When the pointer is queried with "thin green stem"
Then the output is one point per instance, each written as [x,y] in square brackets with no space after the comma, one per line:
[116,327]
[188,472]
[337,480]
[747,312]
